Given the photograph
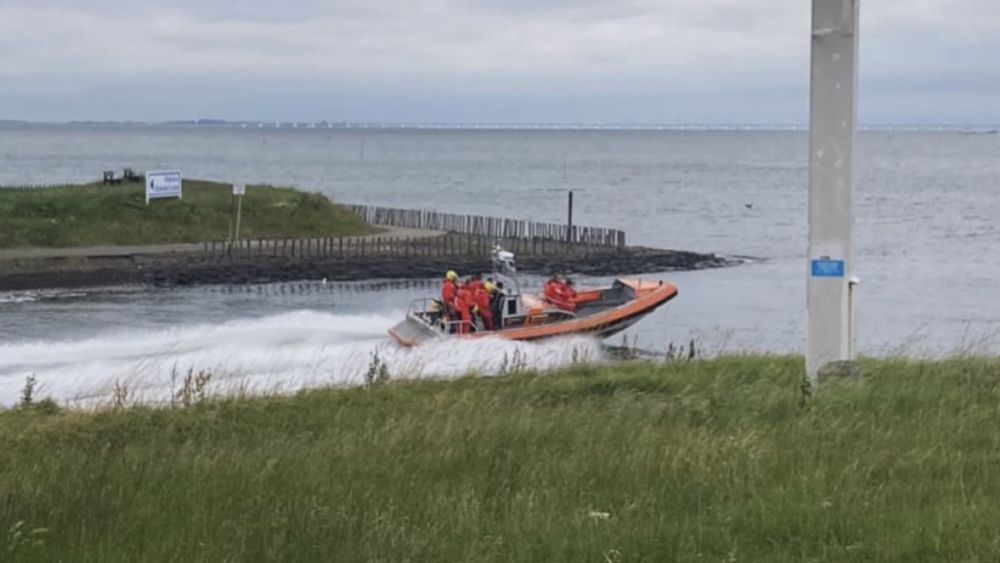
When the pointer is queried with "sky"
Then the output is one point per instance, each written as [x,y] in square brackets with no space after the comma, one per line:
[485,61]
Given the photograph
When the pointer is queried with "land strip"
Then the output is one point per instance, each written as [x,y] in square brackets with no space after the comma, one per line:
[720,460]
[96,235]
[171,269]
[97,215]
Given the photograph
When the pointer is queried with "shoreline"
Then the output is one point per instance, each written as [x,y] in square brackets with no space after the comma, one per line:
[183,269]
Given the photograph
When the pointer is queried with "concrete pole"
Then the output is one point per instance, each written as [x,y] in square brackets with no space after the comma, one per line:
[832,124]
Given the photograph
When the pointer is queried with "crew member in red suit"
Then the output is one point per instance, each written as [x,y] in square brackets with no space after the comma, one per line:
[475,282]
[464,303]
[482,297]
[449,291]
[552,288]
[568,294]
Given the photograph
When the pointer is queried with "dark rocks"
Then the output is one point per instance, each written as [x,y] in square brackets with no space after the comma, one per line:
[193,269]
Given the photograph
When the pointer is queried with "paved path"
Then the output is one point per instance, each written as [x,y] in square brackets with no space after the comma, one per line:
[99,251]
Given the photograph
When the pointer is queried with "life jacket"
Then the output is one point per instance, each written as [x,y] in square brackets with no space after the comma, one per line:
[564,292]
[552,289]
[565,297]
[463,299]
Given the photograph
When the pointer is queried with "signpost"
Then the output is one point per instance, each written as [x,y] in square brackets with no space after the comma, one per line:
[832,123]
[163,184]
[239,190]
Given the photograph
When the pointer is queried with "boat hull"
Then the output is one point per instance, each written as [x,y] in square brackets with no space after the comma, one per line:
[648,297]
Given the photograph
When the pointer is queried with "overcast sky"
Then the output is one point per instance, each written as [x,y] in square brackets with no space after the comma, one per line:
[469,61]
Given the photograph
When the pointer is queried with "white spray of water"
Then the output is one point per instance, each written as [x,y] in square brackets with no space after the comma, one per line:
[31,296]
[276,354]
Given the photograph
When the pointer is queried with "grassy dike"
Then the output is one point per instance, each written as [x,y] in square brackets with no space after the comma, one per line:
[100,215]
[704,461]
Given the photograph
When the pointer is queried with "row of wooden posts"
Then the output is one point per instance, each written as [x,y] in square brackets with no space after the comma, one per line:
[490,227]
[31,187]
[374,247]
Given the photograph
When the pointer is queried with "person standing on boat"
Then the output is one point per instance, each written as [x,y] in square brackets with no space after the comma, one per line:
[558,293]
[482,298]
[552,288]
[568,294]
[449,293]
[464,303]
[475,282]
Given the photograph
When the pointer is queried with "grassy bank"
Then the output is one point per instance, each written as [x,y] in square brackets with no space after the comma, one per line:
[702,461]
[97,215]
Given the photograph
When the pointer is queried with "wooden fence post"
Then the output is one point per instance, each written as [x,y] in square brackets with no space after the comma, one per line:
[513,232]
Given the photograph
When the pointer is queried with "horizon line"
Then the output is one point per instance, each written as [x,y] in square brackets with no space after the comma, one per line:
[550,126]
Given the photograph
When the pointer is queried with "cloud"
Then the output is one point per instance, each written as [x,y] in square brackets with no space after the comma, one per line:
[436,38]
[378,58]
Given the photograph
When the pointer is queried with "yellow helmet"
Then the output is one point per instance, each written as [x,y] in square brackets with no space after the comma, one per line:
[489,287]
[451,275]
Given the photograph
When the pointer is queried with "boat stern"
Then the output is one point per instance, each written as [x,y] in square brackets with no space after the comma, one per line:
[413,331]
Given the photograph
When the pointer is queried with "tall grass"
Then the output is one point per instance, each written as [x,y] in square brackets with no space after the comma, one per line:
[96,214]
[714,460]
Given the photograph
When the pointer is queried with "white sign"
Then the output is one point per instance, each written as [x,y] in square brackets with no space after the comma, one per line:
[163,184]
[239,189]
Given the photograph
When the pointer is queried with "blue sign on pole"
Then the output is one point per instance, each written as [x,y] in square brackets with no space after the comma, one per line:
[826,268]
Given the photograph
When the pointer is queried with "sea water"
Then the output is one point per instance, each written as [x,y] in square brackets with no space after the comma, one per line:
[926,208]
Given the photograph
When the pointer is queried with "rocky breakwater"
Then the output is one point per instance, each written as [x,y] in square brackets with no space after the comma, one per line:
[172,269]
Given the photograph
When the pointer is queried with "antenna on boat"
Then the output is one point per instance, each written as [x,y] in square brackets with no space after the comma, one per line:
[503,260]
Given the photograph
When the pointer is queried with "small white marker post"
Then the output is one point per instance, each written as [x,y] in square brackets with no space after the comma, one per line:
[239,190]
[832,124]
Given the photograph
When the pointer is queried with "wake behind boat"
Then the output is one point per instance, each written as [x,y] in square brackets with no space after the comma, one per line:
[601,311]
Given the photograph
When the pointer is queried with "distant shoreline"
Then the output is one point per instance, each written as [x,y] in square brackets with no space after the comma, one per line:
[982,128]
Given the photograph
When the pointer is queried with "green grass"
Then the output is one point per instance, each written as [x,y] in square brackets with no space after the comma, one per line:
[703,461]
[96,215]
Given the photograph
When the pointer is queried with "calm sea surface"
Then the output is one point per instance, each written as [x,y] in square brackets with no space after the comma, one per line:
[927,207]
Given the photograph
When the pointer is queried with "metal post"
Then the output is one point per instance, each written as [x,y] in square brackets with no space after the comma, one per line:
[239,213]
[232,212]
[832,124]
[569,219]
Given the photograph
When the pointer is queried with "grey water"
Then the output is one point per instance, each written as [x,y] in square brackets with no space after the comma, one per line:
[926,232]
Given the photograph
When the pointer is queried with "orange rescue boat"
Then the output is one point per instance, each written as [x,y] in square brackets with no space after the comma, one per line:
[599,311]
